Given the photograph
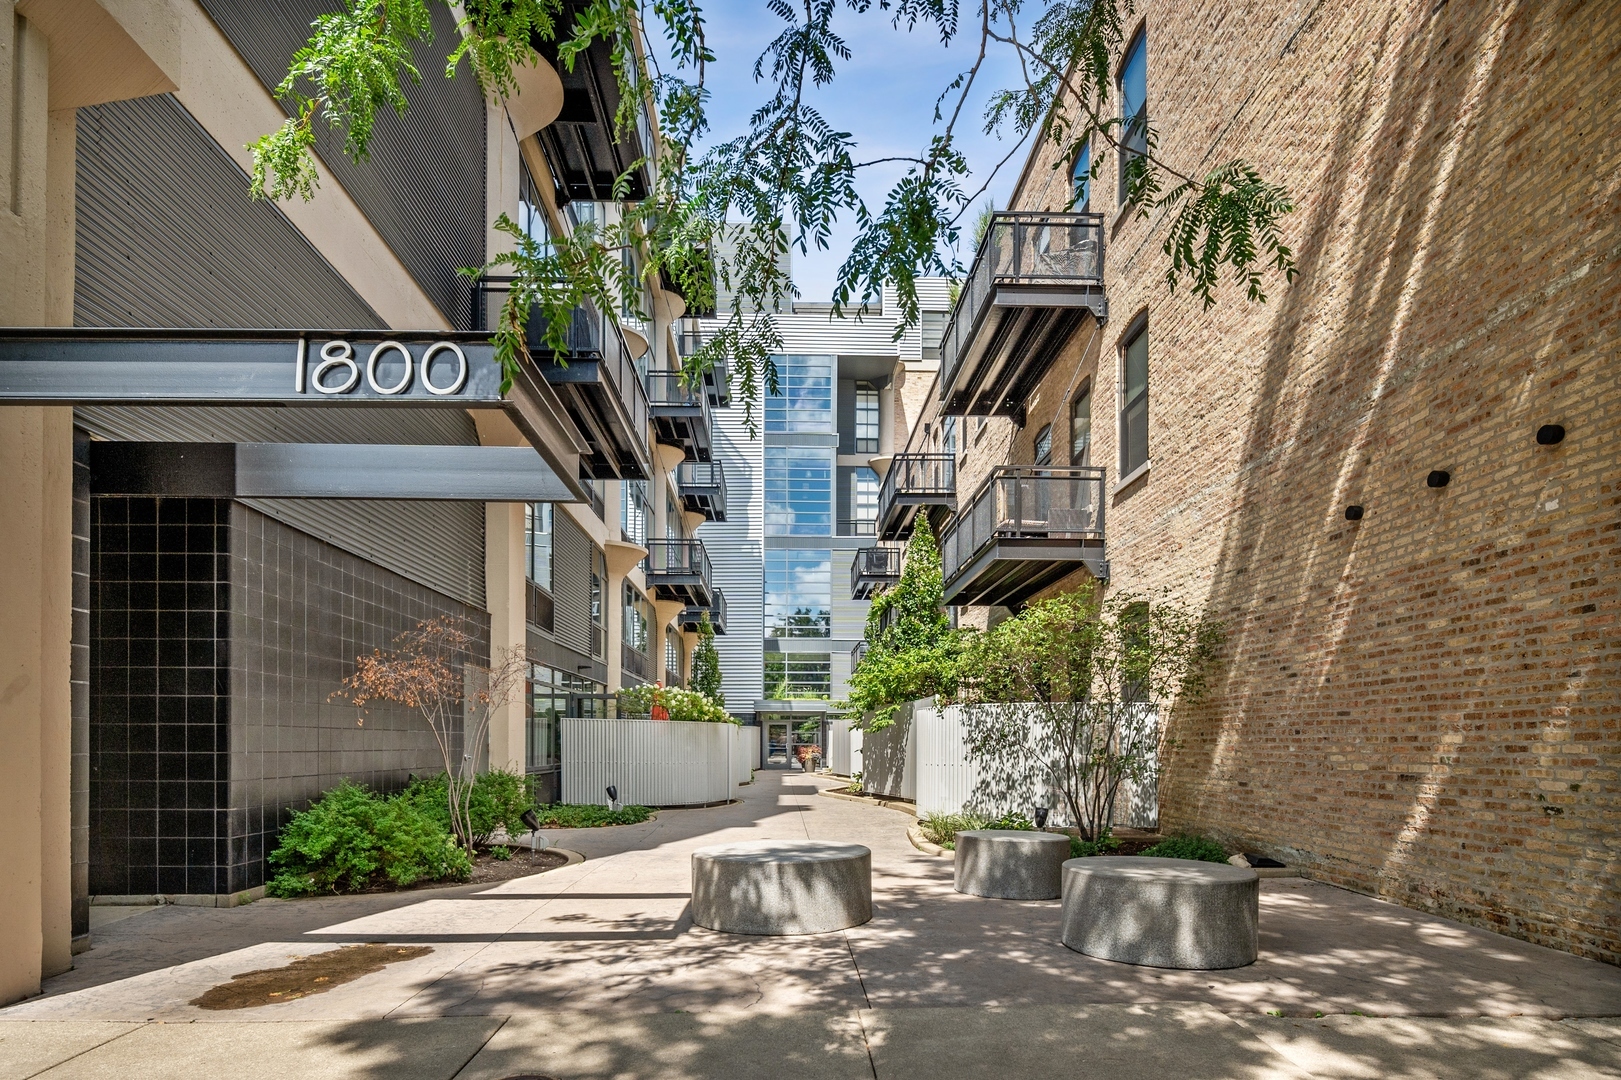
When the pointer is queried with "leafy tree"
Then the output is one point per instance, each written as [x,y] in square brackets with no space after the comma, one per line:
[790,175]
[706,664]
[912,651]
[671,703]
[1071,688]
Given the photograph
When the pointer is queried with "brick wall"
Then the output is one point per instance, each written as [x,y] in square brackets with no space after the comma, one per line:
[1424,704]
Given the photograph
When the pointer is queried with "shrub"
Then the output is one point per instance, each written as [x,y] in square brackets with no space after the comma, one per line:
[1188,847]
[570,816]
[501,853]
[352,838]
[1105,844]
[942,829]
[679,704]
[495,800]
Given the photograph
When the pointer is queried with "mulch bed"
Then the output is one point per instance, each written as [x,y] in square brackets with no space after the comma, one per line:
[523,863]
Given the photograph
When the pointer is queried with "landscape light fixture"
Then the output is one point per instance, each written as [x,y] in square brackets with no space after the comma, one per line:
[1041,817]
[532,823]
[1550,434]
[1353,513]
[1440,478]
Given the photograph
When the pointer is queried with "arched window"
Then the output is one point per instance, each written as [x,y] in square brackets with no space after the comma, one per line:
[1133,107]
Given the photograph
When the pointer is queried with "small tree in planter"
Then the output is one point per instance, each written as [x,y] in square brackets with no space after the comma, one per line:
[431,669]
[1068,689]
[706,663]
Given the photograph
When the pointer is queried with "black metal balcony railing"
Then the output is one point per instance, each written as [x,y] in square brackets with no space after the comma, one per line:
[858,653]
[703,488]
[857,527]
[634,662]
[692,615]
[1033,277]
[680,413]
[679,570]
[914,481]
[596,380]
[1026,528]
[872,568]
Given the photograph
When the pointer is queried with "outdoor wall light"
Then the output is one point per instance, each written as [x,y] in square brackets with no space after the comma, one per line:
[1440,478]
[1353,513]
[1550,434]
[1041,817]
[613,793]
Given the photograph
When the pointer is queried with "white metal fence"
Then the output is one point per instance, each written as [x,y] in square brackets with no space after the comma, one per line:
[922,757]
[655,762]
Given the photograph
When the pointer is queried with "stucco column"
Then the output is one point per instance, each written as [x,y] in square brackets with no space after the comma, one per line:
[505,594]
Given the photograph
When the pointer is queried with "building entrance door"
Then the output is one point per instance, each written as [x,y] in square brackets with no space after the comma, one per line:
[778,746]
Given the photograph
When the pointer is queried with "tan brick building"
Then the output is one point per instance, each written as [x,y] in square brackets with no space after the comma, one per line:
[1423,703]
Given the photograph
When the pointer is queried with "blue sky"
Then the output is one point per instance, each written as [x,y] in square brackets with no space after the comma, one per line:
[884,95]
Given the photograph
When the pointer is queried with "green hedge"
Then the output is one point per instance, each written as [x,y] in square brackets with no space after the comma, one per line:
[1188,847]
[353,838]
[497,801]
[567,816]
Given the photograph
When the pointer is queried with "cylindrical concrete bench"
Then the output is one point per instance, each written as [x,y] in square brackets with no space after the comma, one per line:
[1173,913]
[1011,864]
[781,887]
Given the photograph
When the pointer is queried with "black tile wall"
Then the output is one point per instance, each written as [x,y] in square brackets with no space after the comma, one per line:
[217,637]
[79,769]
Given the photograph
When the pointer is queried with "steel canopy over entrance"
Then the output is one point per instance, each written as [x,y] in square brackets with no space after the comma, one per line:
[312,369]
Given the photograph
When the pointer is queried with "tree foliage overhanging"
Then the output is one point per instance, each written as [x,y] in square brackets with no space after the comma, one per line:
[726,206]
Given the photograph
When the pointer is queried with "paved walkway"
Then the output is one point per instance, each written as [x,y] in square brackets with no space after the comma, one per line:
[596,970]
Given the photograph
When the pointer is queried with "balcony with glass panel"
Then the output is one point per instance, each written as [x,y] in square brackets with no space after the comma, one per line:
[596,380]
[692,616]
[680,414]
[914,482]
[858,653]
[872,569]
[1025,529]
[1035,278]
[703,488]
[679,570]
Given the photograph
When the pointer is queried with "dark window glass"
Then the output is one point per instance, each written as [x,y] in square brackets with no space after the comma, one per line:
[1134,404]
[804,401]
[789,676]
[948,436]
[1080,426]
[798,491]
[537,520]
[866,419]
[798,592]
[1081,177]
[638,623]
[599,579]
[634,510]
[672,657]
[1044,446]
[1133,107]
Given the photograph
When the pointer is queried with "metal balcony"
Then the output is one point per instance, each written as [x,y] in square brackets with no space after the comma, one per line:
[680,414]
[692,615]
[914,481]
[703,488]
[679,570]
[873,568]
[586,155]
[594,378]
[858,653]
[1035,278]
[1025,529]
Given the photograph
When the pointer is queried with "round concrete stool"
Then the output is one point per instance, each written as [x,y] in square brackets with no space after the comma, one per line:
[781,887]
[1173,913]
[1011,864]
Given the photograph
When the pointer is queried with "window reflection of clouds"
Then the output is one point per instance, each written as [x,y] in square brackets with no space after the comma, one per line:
[804,402]
[798,593]
[798,491]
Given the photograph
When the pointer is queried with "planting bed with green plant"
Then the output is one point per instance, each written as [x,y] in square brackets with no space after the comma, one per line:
[1187,847]
[566,816]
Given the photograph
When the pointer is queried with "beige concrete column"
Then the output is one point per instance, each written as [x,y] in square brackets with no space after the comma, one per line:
[505,594]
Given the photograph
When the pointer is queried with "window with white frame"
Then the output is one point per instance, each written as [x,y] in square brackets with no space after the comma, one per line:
[537,536]
[866,419]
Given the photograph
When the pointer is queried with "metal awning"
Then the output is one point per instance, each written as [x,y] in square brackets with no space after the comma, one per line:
[300,369]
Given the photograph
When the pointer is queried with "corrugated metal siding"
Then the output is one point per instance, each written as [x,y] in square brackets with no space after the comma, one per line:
[167,235]
[423,185]
[652,762]
[437,544]
[571,584]
[736,550]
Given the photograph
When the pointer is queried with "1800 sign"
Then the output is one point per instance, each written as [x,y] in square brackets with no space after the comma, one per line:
[338,368]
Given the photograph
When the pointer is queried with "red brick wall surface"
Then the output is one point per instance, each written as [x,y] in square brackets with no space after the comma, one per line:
[1424,704]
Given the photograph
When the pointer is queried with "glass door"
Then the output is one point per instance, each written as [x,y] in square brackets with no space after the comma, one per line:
[777,748]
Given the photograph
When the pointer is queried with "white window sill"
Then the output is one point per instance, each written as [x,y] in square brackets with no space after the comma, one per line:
[1133,476]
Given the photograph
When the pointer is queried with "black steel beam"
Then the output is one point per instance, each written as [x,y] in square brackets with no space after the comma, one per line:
[324,471]
[289,368]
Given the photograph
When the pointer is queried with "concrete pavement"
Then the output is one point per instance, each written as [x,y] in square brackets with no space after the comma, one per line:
[596,970]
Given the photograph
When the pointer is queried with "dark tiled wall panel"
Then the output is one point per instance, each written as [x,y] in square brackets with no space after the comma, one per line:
[79,769]
[159,705]
[302,611]
[216,636]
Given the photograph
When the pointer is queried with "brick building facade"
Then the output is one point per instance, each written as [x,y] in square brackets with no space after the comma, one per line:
[1425,703]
